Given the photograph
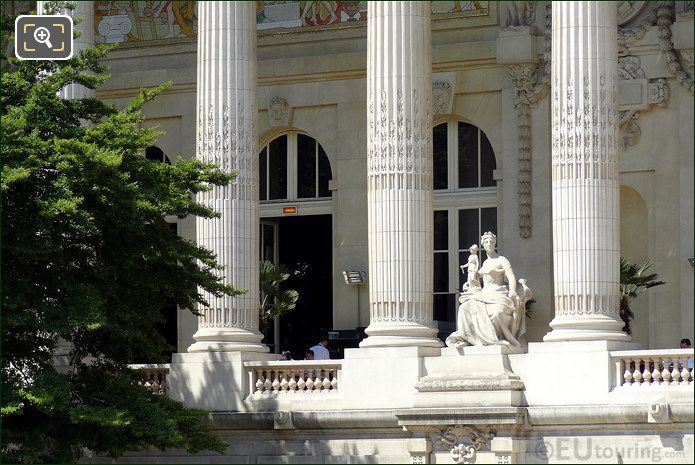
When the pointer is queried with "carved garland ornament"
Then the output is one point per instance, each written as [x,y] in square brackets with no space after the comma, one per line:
[462,442]
[530,91]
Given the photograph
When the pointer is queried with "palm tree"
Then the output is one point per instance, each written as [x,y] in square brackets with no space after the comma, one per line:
[633,282]
[275,301]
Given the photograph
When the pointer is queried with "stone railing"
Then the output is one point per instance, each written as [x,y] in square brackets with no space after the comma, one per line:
[155,376]
[653,368]
[294,378]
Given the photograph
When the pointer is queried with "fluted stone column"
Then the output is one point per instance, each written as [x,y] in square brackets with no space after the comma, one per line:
[84,13]
[585,188]
[399,172]
[226,135]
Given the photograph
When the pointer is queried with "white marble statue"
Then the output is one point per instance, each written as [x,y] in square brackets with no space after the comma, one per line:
[494,314]
[473,282]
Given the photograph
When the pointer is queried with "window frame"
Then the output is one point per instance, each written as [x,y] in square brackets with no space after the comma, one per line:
[452,164]
[454,198]
[292,169]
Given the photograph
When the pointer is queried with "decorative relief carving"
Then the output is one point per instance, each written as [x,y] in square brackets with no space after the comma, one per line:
[630,67]
[530,90]
[462,442]
[441,97]
[398,143]
[661,14]
[524,77]
[659,92]
[278,112]
[518,13]
[584,128]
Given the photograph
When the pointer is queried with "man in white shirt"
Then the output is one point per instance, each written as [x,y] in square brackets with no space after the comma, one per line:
[320,350]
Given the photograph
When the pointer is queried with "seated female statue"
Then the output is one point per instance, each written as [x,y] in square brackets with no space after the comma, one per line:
[494,314]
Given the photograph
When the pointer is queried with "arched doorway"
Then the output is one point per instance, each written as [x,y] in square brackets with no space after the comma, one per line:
[296,231]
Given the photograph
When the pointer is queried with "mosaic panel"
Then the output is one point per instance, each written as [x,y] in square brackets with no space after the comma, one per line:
[136,21]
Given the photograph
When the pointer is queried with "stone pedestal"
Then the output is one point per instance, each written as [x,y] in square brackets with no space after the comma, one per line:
[382,377]
[477,376]
[215,381]
[585,188]
[226,135]
[399,170]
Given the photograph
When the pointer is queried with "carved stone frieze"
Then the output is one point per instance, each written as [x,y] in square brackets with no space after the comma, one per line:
[518,13]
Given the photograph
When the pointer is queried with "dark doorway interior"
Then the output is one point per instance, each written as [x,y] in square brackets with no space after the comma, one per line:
[305,248]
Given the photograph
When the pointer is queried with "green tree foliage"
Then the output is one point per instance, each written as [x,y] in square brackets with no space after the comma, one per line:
[275,301]
[88,257]
[634,280]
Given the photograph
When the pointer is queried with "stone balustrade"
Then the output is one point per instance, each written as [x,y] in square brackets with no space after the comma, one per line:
[155,376]
[302,377]
[653,368]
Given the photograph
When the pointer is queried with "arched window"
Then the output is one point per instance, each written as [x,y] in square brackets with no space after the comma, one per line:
[293,166]
[154,153]
[463,157]
[465,206]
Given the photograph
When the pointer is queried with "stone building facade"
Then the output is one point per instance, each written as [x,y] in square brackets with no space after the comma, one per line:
[386,138]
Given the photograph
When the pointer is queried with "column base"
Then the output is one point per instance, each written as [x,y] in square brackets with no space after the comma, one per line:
[227,340]
[400,334]
[586,328]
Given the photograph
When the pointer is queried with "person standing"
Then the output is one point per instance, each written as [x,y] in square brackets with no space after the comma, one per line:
[321,349]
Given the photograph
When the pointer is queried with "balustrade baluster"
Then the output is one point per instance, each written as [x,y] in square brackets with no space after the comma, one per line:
[310,382]
[268,384]
[676,373]
[666,372]
[259,381]
[647,373]
[292,385]
[637,373]
[334,381]
[686,374]
[276,382]
[326,381]
[301,384]
[627,376]
[656,372]
[284,384]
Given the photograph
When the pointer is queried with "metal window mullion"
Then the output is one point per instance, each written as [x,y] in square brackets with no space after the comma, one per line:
[292,141]
[316,165]
[452,246]
[267,172]
[452,155]
[479,161]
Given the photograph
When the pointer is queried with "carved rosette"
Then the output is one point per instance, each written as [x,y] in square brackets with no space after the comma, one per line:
[226,136]
[399,175]
[585,189]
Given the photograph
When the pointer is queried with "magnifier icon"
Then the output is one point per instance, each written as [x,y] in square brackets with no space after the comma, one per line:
[42,36]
